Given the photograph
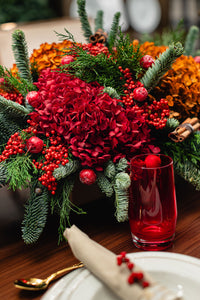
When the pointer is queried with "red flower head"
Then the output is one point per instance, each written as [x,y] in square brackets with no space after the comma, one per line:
[94,125]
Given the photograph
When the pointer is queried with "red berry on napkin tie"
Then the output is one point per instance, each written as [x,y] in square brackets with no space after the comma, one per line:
[152,161]
[34,144]
[87,176]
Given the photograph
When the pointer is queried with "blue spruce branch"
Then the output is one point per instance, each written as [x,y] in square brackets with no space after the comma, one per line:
[99,20]
[20,51]
[84,19]
[121,187]
[161,66]
[114,30]
[191,39]
[36,211]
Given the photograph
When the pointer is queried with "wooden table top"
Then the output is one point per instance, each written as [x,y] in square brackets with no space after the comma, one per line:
[18,260]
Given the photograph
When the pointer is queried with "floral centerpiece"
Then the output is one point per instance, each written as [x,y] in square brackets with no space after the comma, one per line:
[81,111]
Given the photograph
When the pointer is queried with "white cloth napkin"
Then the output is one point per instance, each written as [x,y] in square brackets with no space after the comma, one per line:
[103,264]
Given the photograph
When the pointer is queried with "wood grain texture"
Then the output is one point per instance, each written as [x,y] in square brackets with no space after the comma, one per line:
[18,260]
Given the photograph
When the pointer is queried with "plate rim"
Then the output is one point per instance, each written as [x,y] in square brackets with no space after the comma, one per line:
[68,278]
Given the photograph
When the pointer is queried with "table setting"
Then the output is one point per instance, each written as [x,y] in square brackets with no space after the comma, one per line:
[113,116]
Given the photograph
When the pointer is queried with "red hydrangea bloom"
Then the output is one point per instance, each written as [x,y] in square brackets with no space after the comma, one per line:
[94,125]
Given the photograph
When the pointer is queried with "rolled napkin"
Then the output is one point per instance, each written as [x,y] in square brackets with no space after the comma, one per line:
[113,270]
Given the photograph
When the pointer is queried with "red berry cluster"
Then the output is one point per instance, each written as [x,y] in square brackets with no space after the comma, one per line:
[132,89]
[54,156]
[156,113]
[134,276]
[15,97]
[14,146]
[95,49]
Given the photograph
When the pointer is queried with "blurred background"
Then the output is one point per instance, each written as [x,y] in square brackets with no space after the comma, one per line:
[39,19]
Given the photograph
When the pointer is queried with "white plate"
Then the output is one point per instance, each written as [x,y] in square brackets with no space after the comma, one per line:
[178,272]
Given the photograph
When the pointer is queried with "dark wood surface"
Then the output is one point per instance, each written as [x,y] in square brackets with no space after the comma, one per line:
[18,260]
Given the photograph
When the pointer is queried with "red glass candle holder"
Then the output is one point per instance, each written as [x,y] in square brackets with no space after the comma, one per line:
[152,205]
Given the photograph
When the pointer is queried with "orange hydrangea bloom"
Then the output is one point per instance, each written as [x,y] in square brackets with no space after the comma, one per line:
[180,85]
[150,49]
[47,56]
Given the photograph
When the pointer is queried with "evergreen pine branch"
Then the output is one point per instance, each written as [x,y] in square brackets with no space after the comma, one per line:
[20,170]
[67,36]
[161,66]
[121,187]
[67,206]
[98,68]
[113,31]
[110,170]
[188,172]
[104,184]
[63,171]
[36,211]
[99,20]
[84,19]
[17,83]
[12,108]
[122,165]
[20,51]
[171,124]
[111,92]
[191,39]
[8,126]
[3,174]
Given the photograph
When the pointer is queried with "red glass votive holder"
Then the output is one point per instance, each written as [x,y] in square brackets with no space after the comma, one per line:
[152,204]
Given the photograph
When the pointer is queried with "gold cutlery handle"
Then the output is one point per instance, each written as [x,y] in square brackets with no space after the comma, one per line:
[65,270]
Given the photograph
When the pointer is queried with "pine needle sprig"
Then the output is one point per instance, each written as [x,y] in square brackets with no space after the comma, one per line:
[99,20]
[161,66]
[113,31]
[3,174]
[128,55]
[12,108]
[191,40]
[8,126]
[67,36]
[16,83]
[84,19]
[36,211]
[20,171]
[61,203]
[98,68]
[188,172]
[121,187]
[63,171]
[20,51]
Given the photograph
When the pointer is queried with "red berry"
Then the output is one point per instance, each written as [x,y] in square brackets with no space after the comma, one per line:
[152,161]
[67,59]
[147,61]
[32,97]
[87,176]
[197,59]
[140,94]
[34,144]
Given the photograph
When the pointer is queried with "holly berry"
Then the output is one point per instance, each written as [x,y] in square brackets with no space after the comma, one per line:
[197,59]
[140,94]
[152,161]
[87,176]
[67,59]
[34,144]
[32,97]
[146,61]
